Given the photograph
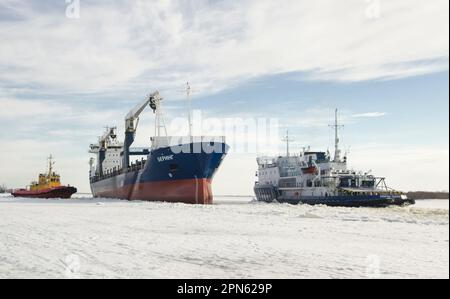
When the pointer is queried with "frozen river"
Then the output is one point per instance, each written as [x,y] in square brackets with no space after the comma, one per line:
[235,238]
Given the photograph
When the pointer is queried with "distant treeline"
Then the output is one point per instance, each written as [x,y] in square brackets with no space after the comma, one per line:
[3,189]
[427,195]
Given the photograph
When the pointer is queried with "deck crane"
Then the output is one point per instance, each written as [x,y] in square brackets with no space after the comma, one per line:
[132,122]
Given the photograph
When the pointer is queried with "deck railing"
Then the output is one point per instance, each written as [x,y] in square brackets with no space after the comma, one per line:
[137,166]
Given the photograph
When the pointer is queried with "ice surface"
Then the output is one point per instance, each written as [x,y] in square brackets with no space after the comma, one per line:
[235,238]
[433,204]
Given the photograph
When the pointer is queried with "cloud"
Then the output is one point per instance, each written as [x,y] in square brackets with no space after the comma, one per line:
[404,165]
[13,108]
[217,44]
[53,120]
[370,114]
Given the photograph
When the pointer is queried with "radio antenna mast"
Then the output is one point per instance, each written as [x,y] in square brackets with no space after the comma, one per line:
[287,140]
[336,126]
[188,96]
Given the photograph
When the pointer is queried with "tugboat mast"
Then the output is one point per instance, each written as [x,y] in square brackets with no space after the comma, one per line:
[50,165]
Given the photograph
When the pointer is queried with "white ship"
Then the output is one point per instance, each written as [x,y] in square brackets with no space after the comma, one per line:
[313,177]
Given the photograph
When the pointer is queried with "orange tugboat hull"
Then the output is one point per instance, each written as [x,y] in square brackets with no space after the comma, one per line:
[56,192]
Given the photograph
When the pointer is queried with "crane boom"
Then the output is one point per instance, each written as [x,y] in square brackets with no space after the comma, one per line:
[134,113]
[109,133]
[131,127]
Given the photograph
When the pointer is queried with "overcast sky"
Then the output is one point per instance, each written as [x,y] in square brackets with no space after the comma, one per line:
[67,71]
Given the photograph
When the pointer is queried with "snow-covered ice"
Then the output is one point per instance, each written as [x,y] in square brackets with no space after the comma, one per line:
[235,238]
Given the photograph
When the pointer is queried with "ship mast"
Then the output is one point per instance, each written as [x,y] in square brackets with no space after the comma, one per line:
[50,165]
[188,95]
[160,123]
[287,140]
[336,126]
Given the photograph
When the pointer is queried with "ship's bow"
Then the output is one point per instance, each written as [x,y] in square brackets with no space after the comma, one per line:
[180,174]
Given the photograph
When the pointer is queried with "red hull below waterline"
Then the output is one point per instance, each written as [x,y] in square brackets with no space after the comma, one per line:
[181,191]
[57,192]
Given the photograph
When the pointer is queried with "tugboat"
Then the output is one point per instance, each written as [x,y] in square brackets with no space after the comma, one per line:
[317,178]
[48,186]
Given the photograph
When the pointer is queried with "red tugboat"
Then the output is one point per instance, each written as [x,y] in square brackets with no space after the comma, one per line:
[48,186]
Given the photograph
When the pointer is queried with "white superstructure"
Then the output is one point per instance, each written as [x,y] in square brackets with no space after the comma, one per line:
[112,150]
[318,178]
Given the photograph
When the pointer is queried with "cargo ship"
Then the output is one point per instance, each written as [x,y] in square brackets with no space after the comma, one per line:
[317,178]
[48,186]
[171,169]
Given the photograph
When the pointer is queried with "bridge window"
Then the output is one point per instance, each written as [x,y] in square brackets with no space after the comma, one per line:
[368,184]
[344,182]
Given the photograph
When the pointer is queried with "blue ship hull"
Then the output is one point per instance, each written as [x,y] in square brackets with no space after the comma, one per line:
[166,176]
[352,201]
[270,194]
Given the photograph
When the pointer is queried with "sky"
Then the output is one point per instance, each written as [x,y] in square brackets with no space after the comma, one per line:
[69,68]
